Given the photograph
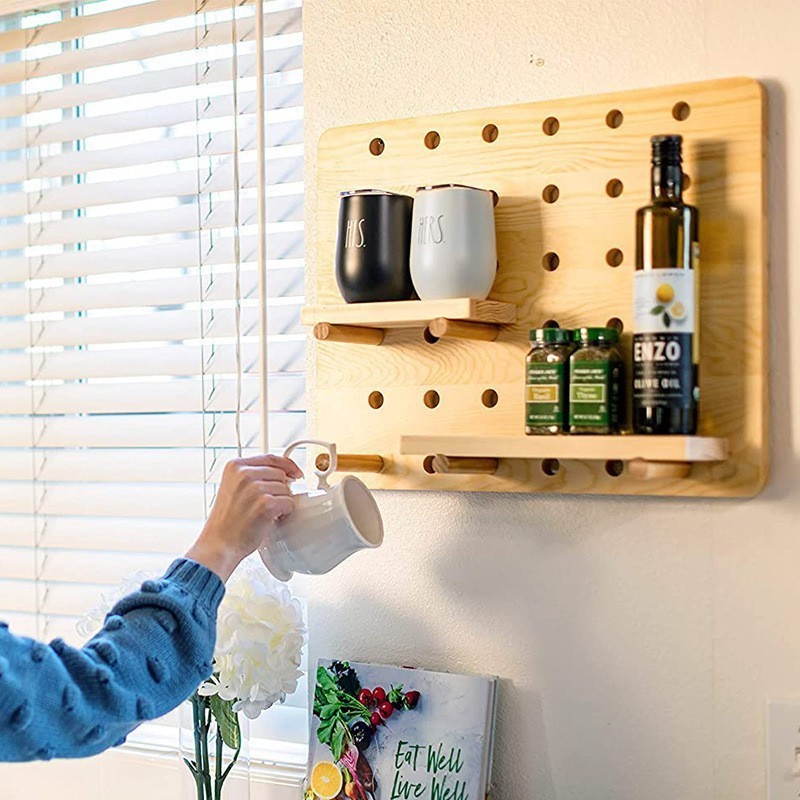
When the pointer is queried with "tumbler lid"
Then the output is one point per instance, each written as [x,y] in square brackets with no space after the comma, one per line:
[353,192]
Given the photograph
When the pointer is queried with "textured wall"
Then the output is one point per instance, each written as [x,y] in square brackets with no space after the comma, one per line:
[637,639]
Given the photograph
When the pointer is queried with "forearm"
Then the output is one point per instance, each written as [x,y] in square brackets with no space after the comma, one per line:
[155,649]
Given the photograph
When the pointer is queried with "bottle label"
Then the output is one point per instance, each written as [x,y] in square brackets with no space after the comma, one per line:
[592,394]
[544,394]
[663,342]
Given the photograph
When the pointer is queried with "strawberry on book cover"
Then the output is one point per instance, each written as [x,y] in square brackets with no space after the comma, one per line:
[395,733]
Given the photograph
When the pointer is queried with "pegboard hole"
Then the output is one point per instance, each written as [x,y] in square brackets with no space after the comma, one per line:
[432,140]
[429,337]
[427,465]
[490,133]
[431,398]
[681,111]
[550,261]
[686,182]
[551,323]
[615,468]
[615,323]
[551,466]
[375,400]
[377,146]
[489,398]
[614,187]
[550,126]
[614,118]
[550,193]
[614,257]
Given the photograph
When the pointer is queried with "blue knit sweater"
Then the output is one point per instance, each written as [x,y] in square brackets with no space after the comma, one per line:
[156,647]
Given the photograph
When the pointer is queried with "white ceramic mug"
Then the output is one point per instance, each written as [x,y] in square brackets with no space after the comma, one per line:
[326,526]
[453,244]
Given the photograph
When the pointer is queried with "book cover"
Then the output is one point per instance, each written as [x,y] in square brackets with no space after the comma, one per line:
[394,733]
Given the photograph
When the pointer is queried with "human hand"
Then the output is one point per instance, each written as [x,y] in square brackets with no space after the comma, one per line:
[254,492]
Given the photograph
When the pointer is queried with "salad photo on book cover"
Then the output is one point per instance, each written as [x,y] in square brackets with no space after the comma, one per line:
[395,733]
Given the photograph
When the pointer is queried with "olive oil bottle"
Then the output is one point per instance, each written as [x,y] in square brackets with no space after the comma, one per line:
[665,370]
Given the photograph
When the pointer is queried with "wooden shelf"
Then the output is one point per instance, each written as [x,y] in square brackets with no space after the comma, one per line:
[579,447]
[410,313]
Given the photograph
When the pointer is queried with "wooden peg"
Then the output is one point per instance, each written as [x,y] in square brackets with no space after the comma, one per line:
[645,470]
[464,465]
[346,462]
[443,328]
[351,334]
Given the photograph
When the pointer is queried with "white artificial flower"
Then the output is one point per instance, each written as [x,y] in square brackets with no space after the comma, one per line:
[92,621]
[260,637]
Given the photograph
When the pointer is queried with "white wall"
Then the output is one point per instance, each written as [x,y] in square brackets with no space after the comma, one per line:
[638,638]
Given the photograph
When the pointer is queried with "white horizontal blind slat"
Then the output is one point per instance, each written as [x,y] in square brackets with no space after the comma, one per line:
[129,285]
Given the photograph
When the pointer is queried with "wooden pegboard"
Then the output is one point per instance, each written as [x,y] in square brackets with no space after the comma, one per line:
[724,158]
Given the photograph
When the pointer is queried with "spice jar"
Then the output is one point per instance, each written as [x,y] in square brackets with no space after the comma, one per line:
[595,382]
[547,379]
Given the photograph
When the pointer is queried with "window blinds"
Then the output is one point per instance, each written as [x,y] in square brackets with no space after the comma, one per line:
[132,265]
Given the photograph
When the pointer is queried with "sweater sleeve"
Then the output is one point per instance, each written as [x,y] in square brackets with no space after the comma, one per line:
[156,647]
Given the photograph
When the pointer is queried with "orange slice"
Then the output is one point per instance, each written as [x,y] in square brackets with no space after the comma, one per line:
[326,780]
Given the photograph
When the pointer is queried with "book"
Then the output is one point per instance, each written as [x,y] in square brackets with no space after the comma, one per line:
[396,733]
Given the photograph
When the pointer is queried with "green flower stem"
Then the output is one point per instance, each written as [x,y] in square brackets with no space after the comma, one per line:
[197,710]
[218,768]
[206,759]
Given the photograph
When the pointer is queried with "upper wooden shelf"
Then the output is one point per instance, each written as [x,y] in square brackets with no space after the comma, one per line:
[410,313]
[585,448]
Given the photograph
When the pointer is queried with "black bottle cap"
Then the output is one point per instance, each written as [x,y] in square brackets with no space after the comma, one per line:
[666,149]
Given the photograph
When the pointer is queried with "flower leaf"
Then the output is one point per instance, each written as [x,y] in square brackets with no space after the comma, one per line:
[656,310]
[667,320]
[227,720]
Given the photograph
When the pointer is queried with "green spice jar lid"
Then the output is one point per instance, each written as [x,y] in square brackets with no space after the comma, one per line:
[551,335]
[596,335]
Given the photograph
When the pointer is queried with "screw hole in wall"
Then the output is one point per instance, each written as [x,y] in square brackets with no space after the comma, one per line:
[432,140]
[427,465]
[551,323]
[429,337]
[615,468]
[375,400]
[614,257]
[550,193]
[550,261]
[551,466]
[377,146]
[550,126]
[489,398]
[431,398]
[614,118]
[615,323]
[681,111]
[614,187]
[490,133]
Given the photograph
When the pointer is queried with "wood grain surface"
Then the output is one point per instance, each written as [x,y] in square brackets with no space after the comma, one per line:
[590,227]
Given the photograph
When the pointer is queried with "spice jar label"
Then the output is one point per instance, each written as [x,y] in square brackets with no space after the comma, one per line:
[544,394]
[589,394]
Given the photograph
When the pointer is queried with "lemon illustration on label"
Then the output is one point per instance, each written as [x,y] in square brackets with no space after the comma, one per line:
[665,293]
[678,311]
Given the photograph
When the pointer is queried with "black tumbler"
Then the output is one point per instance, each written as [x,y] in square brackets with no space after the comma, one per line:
[372,250]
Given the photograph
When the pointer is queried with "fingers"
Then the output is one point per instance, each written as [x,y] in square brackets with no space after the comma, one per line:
[266,474]
[286,464]
[281,506]
[274,488]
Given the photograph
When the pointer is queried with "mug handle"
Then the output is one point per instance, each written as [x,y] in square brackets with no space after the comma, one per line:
[322,475]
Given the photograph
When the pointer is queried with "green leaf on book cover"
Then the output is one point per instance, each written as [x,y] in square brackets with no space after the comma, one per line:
[656,310]
[227,721]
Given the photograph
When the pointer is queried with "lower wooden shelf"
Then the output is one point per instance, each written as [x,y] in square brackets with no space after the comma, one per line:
[581,447]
